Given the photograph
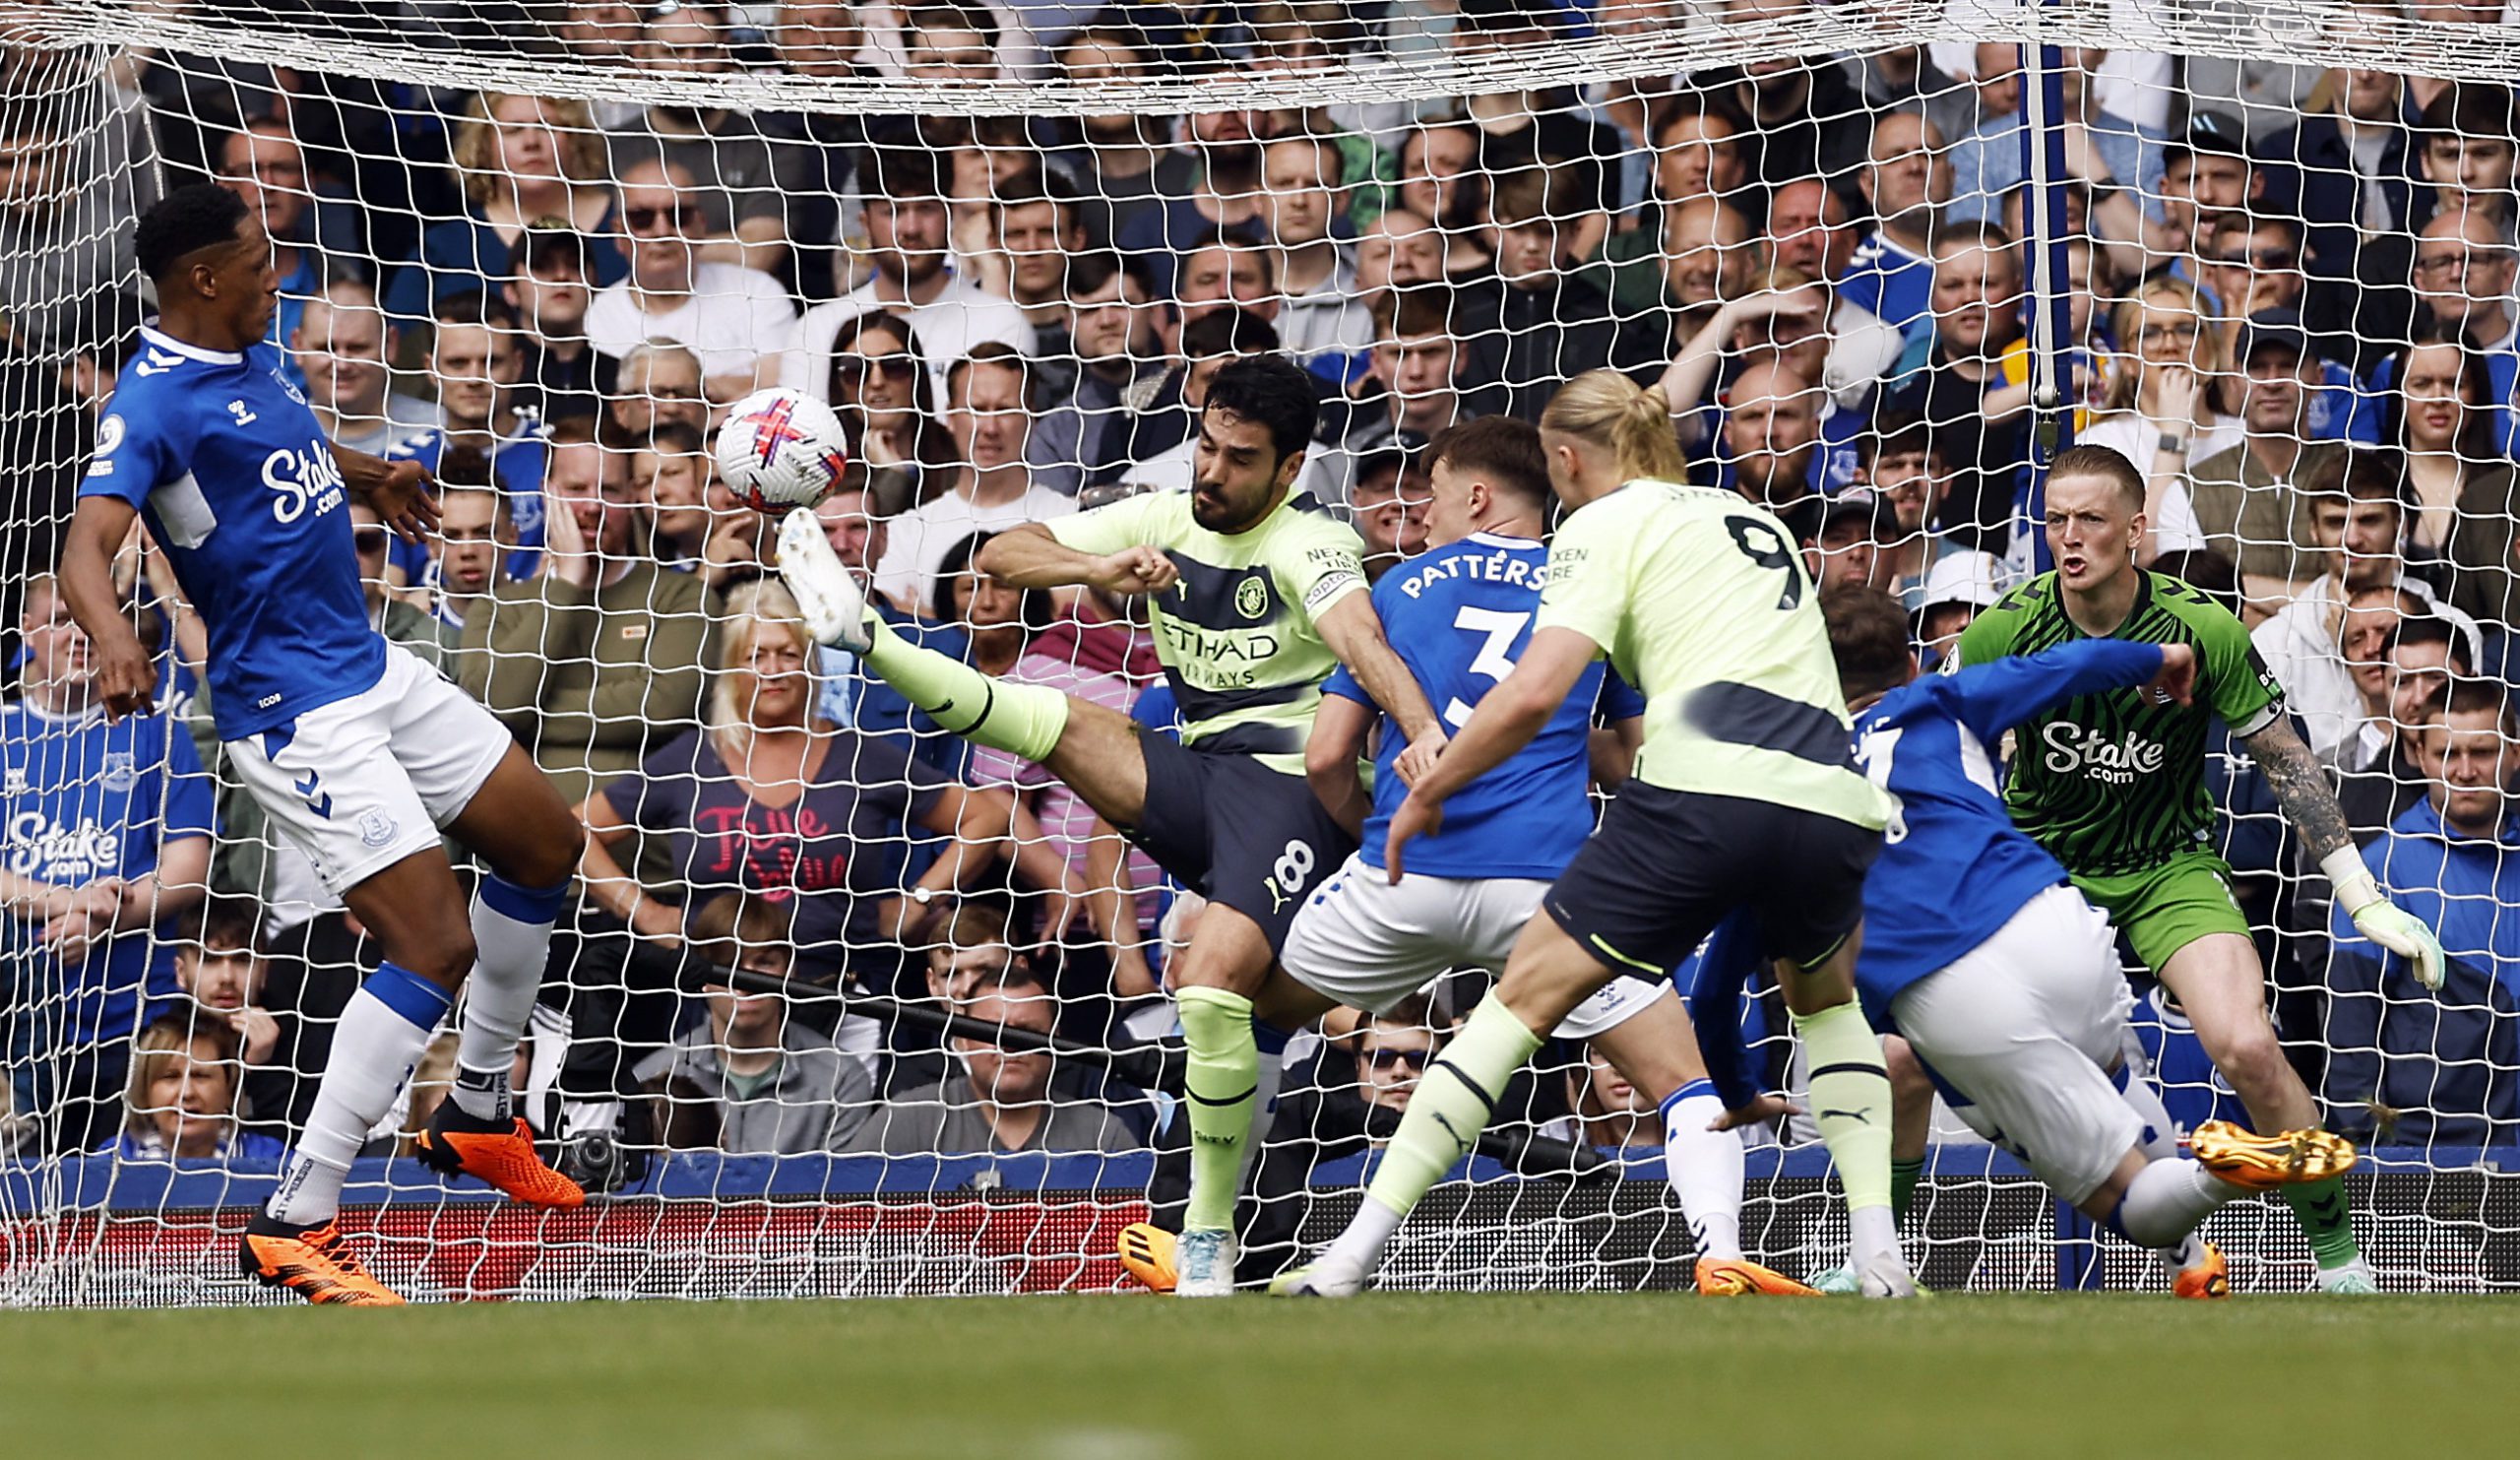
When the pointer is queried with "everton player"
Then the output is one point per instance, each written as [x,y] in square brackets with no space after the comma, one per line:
[358,751]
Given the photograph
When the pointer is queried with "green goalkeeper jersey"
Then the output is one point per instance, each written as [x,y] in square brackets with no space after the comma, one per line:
[2109,782]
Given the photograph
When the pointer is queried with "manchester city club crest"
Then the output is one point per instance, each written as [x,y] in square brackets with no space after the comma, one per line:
[1252,600]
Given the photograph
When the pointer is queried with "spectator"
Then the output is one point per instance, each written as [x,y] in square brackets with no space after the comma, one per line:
[1217,274]
[815,152]
[598,657]
[2461,485]
[474,364]
[660,381]
[2380,769]
[1977,293]
[1782,320]
[2465,265]
[1605,1112]
[1010,1096]
[2439,1065]
[1035,238]
[1388,505]
[2118,159]
[1399,250]
[1319,322]
[1123,162]
[262,164]
[1904,463]
[1958,587]
[1847,551]
[2330,637]
[987,413]
[181,1105]
[1124,404]
[1905,79]
[225,972]
[1907,184]
[474,532]
[1806,117]
[2162,413]
[1808,230]
[856,700]
[885,397]
[65,206]
[736,319]
[771,798]
[1695,156]
[2253,268]
[906,235]
[402,621]
[1005,624]
[548,299]
[741,188]
[1392,1051]
[1531,325]
[694,524]
[1708,260]
[523,163]
[1771,444]
[2467,142]
[2206,179]
[750,1079]
[1439,181]
[2343,169]
[106,842]
[2251,497]
[345,348]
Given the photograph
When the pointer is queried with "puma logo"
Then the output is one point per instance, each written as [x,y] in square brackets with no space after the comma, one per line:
[1861,1118]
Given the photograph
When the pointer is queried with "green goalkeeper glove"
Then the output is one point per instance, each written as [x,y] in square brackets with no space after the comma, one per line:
[2383,921]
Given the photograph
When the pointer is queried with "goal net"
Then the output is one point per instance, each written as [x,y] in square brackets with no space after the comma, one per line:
[842,1004]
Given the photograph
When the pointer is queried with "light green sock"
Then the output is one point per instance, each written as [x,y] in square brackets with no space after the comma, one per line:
[1452,1104]
[1850,1100]
[2325,1219]
[1025,719]
[1220,1085]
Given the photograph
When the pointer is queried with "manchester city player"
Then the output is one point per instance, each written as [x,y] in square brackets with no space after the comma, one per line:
[1257,593]
[356,750]
[1459,615]
[1981,952]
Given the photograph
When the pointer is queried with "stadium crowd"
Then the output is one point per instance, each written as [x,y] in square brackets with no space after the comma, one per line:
[2292,305]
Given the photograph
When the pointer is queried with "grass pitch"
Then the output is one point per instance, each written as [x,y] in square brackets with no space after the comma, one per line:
[1109,1378]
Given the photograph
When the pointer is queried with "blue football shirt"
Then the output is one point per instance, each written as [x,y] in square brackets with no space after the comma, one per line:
[226,462]
[81,801]
[517,465]
[1953,869]
[1459,617]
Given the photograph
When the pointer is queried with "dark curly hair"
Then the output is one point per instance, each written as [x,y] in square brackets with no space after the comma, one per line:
[197,216]
[1274,390]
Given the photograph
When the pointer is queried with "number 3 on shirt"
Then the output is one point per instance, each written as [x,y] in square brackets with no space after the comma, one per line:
[1495,657]
[1764,546]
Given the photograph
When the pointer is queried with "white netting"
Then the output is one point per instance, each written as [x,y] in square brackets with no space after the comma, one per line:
[539,246]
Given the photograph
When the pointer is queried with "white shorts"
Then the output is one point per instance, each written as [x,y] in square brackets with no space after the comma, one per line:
[1369,945]
[2026,1026]
[363,782]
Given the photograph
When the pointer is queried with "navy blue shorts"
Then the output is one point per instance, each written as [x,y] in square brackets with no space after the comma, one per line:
[1236,832]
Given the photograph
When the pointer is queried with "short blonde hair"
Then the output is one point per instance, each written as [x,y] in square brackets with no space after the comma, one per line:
[582,160]
[761,606]
[167,1039]
[1633,422]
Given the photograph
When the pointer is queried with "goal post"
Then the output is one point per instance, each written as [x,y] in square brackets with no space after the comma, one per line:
[1884,258]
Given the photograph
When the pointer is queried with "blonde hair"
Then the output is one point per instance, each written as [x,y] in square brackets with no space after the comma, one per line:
[167,1039]
[1633,422]
[754,609]
[477,146]
[2128,320]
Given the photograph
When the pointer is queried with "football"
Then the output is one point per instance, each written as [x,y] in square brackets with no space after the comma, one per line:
[781,449]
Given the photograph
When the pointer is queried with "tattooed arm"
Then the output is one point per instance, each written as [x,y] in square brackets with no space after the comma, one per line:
[2301,788]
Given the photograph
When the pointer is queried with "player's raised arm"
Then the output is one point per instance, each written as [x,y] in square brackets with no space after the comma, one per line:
[1339,731]
[401,492]
[1994,697]
[1505,721]
[126,682]
[1030,556]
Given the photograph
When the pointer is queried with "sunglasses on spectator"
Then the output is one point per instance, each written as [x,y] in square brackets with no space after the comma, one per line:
[641,219]
[2263,258]
[370,540]
[1382,1060]
[899,365]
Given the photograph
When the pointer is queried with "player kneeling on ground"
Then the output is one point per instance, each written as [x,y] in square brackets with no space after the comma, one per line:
[2003,980]
[1744,795]
[358,751]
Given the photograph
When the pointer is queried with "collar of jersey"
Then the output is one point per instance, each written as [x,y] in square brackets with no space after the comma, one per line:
[1501,540]
[173,346]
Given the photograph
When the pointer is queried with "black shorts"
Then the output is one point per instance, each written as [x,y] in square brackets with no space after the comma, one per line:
[1666,865]
[1238,832]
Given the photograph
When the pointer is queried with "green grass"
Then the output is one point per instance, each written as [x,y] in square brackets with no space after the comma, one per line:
[1549,1377]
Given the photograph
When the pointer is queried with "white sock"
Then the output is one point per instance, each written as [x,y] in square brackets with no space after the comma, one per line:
[1704,1167]
[2169,1199]
[1367,1233]
[512,942]
[2161,1133]
[381,1037]
[1875,1233]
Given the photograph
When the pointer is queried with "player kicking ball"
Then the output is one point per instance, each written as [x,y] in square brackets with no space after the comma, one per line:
[1257,594]
[2003,980]
[1459,615]
[358,751]
[1744,795]
[2112,784]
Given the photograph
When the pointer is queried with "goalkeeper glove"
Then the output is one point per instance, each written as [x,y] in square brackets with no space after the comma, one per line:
[2382,921]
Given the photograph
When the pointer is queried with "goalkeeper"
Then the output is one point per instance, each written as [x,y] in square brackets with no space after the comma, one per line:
[2112,786]
[1258,594]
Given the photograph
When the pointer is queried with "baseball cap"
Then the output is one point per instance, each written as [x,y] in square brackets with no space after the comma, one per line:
[2209,131]
[1971,578]
[2273,329]
[1861,504]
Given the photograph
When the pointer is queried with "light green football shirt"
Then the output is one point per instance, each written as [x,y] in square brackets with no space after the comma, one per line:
[1236,635]
[1700,600]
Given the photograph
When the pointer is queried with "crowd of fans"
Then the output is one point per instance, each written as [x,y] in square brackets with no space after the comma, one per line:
[2291,302]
